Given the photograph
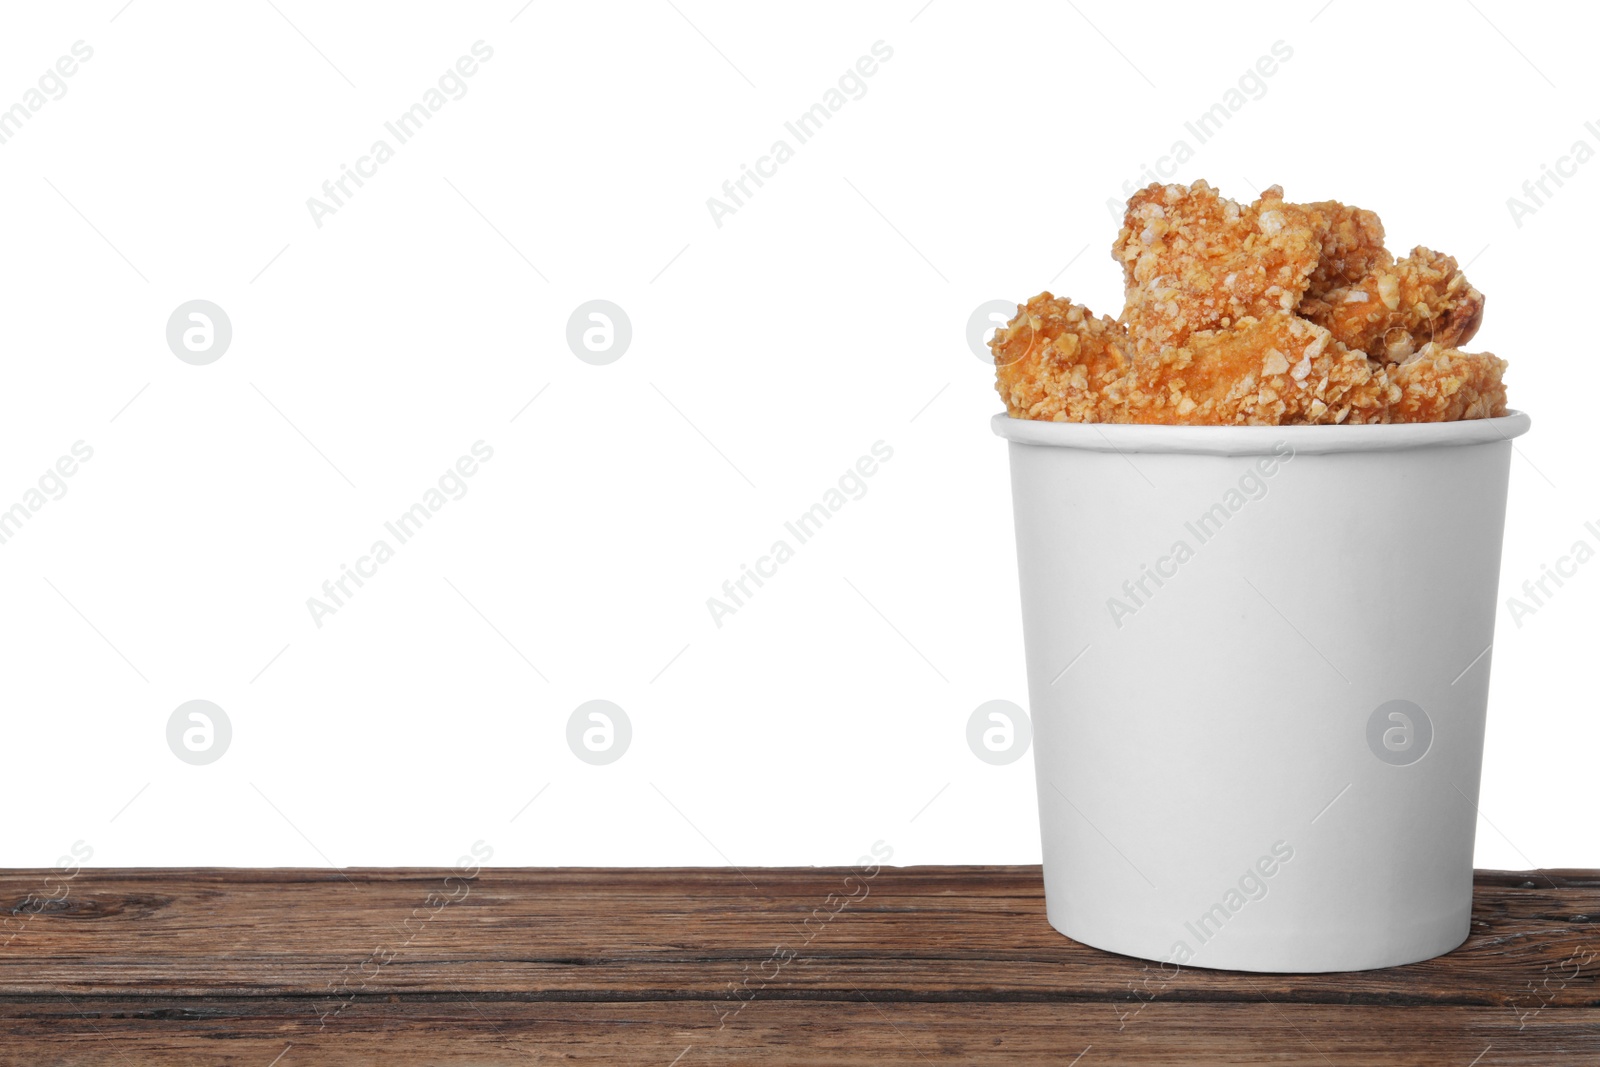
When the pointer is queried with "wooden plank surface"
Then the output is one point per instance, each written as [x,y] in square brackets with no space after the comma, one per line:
[805,966]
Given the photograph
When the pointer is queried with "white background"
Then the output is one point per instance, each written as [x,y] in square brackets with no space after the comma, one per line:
[767,356]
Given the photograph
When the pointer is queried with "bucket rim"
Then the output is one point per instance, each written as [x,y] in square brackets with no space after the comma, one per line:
[1259,440]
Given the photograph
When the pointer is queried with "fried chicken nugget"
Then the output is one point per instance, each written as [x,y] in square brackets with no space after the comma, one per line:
[1352,245]
[1275,370]
[1393,311]
[1193,260]
[1443,385]
[1055,360]
[1271,314]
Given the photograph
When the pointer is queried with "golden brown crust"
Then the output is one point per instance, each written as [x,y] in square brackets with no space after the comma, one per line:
[1267,314]
[1393,311]
[1444,385]
[1272,371]
[1055,359]
[1352,245]
[1193,260]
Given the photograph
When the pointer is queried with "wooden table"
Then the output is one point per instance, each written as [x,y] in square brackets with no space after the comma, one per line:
[915,965]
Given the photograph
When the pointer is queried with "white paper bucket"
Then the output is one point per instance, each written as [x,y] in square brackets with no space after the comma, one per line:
[1258,662]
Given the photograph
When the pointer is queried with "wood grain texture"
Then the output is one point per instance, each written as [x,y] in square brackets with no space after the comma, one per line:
[915,965]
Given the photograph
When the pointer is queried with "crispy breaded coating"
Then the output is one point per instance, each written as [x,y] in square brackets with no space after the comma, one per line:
[1055,360]
[1443,385]
[1271,371]
[1270,314]
[1352,245]
[1193,260]
[1393,311]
